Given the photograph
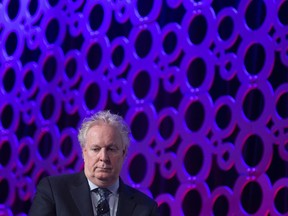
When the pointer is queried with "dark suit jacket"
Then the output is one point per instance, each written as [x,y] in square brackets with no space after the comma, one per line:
[69,195]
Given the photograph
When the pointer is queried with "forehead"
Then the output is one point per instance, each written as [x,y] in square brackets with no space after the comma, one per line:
[103,132]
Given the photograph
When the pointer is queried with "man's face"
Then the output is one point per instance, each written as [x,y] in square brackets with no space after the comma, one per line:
[103,154]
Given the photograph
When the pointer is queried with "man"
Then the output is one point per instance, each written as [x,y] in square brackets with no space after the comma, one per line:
[98,190]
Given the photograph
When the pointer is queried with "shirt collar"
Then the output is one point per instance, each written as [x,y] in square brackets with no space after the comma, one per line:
[113,188]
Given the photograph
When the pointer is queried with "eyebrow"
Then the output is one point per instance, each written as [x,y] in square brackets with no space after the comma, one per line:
[109,145]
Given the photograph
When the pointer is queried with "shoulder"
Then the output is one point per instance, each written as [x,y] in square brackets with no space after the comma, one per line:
[62,180]
[137,195]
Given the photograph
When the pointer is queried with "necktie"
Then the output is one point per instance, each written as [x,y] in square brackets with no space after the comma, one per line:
[103,205]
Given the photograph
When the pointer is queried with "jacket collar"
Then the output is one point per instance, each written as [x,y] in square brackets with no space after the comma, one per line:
[80,192]
[126,203]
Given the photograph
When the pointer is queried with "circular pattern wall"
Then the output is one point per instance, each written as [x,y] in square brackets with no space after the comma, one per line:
[203,85]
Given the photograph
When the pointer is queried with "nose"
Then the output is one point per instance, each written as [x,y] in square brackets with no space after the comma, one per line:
[103,154]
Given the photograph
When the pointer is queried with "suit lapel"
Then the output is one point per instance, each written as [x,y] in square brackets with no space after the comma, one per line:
[126,204]
[81,195]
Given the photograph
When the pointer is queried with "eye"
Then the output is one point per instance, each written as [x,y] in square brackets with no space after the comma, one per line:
[95,149]
[113,149]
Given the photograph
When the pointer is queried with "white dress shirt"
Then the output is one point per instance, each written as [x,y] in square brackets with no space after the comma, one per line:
[112,199]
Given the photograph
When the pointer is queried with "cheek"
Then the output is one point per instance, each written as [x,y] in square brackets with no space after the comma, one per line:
[118,162]
[89,159]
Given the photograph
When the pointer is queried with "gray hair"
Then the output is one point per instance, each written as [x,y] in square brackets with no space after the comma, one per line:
[108,118]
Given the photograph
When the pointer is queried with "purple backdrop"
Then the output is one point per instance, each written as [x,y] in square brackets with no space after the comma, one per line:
[203,85]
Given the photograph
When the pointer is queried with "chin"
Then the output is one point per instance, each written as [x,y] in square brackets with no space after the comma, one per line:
[103,176]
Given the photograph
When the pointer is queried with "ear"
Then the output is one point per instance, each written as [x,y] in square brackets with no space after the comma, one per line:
[125,152]
[83,151]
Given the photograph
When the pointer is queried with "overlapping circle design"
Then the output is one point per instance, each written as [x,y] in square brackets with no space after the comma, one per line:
[203,85]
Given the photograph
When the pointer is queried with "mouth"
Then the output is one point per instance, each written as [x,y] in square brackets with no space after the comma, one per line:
[103,169]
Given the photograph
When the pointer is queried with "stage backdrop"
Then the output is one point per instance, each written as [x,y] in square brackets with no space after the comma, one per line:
[203,85]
